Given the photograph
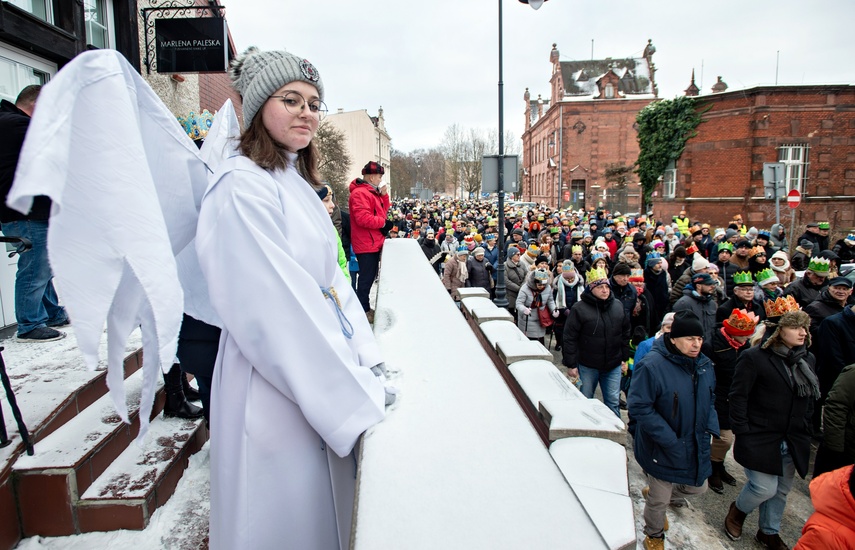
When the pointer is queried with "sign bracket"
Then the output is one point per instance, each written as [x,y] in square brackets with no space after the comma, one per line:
[172,9]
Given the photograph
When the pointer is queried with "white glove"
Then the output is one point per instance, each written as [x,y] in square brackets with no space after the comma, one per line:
[526,311]
[379,371]
[555,313]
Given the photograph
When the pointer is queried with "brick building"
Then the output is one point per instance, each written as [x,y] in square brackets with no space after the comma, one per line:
[586,126]
[811,129]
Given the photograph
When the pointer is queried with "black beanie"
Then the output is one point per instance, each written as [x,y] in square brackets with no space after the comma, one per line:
[622,269]
[686,323]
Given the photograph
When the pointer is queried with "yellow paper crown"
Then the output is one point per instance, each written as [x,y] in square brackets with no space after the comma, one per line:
[780,306]
[596,274]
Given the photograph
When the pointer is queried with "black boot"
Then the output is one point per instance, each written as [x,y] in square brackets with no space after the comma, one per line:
[714,481]
[176,404]
[189,391]
[726,477]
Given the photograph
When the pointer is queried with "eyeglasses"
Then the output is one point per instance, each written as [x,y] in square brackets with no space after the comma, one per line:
[294,104]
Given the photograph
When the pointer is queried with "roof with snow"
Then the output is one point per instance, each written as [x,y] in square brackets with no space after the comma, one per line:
[580,77]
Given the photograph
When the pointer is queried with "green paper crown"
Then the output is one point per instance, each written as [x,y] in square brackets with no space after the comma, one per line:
[820,266]
[824,225]
[743,278]
[765,276]
[726,245]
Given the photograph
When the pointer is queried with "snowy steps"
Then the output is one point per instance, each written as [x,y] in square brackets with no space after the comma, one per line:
[585,438]
[88,475]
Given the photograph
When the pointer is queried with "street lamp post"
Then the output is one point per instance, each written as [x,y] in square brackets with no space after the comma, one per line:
[501,299]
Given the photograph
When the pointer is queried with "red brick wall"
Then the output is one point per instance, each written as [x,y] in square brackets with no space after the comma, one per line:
[214,90]
[742,130]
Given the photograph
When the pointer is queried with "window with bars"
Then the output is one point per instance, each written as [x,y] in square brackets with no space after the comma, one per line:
[795,159]
[669,181]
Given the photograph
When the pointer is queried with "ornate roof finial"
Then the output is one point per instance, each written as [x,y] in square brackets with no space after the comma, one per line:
[692,90]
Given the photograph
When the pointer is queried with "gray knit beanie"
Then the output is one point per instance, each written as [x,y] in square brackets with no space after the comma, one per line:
[256,75]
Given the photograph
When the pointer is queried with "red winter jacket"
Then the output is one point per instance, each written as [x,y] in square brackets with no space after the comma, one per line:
[832,525]
[367,216]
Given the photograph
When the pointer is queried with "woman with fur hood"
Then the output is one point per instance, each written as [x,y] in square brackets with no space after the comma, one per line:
[535,294]
[569,286]
[780,264]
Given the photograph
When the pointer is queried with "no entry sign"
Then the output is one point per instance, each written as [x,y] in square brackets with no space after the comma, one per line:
[794,198]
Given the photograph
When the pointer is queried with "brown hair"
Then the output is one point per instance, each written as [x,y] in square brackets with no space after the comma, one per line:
[28,95]
[258,145]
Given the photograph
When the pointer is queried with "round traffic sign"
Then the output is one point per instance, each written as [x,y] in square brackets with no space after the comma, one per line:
[794,198]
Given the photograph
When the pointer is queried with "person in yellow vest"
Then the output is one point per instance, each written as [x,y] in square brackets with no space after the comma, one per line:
[737,221]
[682,223]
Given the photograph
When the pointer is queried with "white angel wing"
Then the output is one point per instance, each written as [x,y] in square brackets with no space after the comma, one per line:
[126,183]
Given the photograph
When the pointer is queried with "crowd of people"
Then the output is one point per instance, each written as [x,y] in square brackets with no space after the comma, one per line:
[712,339]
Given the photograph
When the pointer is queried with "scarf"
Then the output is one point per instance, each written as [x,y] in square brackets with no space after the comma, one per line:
[730,341]
[561,297]
[806,382]
[463,272]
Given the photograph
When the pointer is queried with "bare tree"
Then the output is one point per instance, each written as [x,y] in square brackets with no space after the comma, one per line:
[453,146]
[475,147]
[334,160]
[403,173]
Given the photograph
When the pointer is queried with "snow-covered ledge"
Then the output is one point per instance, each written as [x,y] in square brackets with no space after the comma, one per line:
[456,463]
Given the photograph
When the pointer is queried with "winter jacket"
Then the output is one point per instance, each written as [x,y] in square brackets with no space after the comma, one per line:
[572,294]
[702,306]
[515,273]
[824,306]
[765,411]
[626,295]
[779,237]
[432,252]
[596,333]
[820,243]
[723,357]
[368,210]
[804,291]
[832,524]
[657,285]
[838,416]
[13,128]
[530,324]
[479,274]
[451,274]
[679,285]
[492,256]
[834,347]
[671,409]
[844,251]
[800,259]
[726,272]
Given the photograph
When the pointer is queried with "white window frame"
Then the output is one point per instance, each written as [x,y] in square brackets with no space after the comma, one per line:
[669,181]
[21,57]
[108,25]
[795,159]
[609,91]
[27,6]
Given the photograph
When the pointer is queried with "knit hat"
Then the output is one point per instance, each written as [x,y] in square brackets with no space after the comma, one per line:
[479,251]
[622,269]
[730,233]
[323,191]
[541,258]
[653,258]
[686,323]
[741,323]
[256,75]
[703,279]
[373,168]
[806,244]
[766,276]
[513,251]
[783,256]
[699,262]
[533,251]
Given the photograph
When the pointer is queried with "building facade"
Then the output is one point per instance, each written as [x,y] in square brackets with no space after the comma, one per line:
[811,129]
[366,139]
[577,140]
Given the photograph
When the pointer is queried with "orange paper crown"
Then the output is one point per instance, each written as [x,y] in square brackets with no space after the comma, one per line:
[741,323]
[780,306]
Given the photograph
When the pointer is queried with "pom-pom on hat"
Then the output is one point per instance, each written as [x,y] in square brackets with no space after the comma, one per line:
[743,278]
[256,75]
[766,276]
[741,323]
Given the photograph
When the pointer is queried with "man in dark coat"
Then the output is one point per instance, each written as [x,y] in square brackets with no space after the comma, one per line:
[834,347]
[432,251]
[807,289]
[698,297]
[624,292]
[596,340]
[726,269]
[771,401]
[656,282]
[37,308]
[728,342]
[672,417]
[832,299]
[743,298]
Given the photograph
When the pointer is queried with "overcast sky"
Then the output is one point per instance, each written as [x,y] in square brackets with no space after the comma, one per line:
[434,63]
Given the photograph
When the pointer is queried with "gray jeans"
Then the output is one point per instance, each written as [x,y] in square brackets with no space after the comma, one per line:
[663,493]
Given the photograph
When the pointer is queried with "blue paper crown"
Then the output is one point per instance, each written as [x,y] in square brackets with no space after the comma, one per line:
[197,126]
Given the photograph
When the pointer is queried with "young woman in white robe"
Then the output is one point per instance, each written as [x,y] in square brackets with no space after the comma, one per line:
[293,379]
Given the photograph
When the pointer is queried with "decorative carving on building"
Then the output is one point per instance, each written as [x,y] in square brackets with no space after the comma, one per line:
[579,127]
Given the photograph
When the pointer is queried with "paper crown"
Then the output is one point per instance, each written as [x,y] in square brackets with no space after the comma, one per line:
[197,126]
[758,250]
[725,246]
[824,225]
[576,248]
[636,275]
[741,323]
[468,239]
[595,275]
[780,306]
[597,256]
[820,266]
[743,278]
[463,249]
[766,276]
[533,250]
[691,249]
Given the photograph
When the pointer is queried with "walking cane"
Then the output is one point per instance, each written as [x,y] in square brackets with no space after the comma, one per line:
[16,412]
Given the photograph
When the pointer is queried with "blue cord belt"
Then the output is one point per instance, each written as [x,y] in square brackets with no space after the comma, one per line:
[346,327]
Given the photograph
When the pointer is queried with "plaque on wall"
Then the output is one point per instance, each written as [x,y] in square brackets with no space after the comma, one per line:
[193,45]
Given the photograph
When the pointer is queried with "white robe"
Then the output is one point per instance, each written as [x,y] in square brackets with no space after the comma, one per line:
[287,383]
